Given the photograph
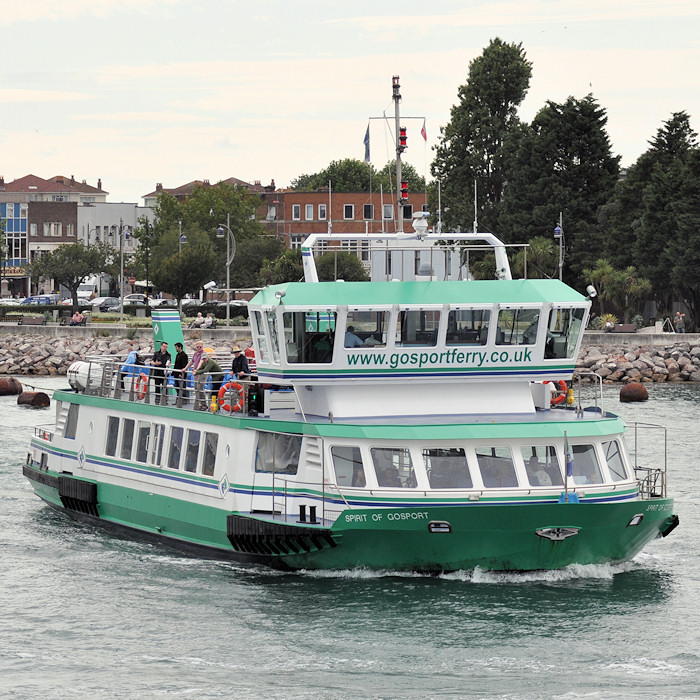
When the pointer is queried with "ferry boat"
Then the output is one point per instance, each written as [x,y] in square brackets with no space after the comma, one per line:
[403,423]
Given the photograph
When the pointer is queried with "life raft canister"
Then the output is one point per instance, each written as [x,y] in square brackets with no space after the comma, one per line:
[562,390]
[231,386]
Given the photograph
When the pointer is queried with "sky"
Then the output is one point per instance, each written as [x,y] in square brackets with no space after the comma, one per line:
[139,92]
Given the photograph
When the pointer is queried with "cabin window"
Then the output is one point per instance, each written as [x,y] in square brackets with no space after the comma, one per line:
[542,465]
[347,463]
[192,452]
[158,440]
[278,453]
[369,326]
[127,438]
[496,466]
[585,468]
[112,435]
[273,336]
[417,327]
[517,326]
[309,336]
[447,468]
[209,458]
[176,435]
[259,331]
[393,467]
[142,438]
[563,331]
[71,421]
[468,327]
[616,464]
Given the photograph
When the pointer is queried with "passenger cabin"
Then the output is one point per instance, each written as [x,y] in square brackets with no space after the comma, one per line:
[405,348]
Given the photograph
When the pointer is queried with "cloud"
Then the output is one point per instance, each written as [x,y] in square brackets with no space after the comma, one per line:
[12,95]
[62,10]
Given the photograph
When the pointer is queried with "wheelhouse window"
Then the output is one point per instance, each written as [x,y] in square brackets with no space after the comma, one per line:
[258,328]
[369,326]
[496,467]
[585,468]
[417,327]
[447,468]
[278,453]
[563,330]
[273,336]
[542,465]
[393,467]
[616,463]
[309,336]
[517,326]
[468,327]
[348,467]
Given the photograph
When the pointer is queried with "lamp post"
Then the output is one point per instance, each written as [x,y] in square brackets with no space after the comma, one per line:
[230,254]
[559,233]
[182,239]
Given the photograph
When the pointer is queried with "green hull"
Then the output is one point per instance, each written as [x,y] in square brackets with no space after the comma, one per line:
[434,538]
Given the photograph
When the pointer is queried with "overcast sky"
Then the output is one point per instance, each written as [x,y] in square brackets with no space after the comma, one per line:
[137,92]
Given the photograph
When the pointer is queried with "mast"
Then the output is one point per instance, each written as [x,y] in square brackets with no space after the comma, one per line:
[400,148]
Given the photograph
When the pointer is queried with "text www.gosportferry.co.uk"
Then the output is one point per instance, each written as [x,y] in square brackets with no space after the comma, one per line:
[454,357]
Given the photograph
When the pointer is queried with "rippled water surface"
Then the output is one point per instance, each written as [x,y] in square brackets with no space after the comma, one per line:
[87,614]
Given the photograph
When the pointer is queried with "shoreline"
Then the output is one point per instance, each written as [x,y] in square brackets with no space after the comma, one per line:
[618,358]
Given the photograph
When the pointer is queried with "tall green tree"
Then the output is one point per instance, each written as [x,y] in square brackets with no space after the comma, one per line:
[288,267]
[347,175]
[561,164]
[471,145]
[71,264]
[340,265]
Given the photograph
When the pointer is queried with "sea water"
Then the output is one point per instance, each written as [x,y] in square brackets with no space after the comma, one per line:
[87,614]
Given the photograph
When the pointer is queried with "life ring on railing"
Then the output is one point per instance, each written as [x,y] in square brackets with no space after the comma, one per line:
[562,390]
[141,386]
[231,386]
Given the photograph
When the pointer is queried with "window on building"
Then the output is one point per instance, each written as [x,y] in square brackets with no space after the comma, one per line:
[368,212]
[388,211]
[271,212]
[296,212]
[408,211]
[58,198]
[295,242]
[70,230]
[33,230]
[309,212]
[322,212]
[348,212]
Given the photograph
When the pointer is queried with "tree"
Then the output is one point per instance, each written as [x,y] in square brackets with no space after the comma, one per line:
[471,145]
[71,264]
[348,175]
[541,256]
[181,270]
[340,265]
[561,164]
[250,258]
[288,267]
[602,277]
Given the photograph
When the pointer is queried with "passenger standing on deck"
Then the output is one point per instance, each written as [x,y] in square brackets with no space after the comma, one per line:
[240,367]
[161,360]
[207,366]
[192,366]
[129,366]
[181,361]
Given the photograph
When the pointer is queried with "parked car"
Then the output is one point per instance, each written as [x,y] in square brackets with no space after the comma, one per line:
[41,300]
[171,303]
[105,303]
[140,298]
[10,301]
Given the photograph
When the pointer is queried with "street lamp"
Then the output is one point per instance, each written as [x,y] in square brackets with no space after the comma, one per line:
[559,233]
[230,254]
[123,233]
[183,238]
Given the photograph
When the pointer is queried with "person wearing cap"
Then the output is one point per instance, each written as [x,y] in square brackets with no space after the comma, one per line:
[240,367]
[207,366]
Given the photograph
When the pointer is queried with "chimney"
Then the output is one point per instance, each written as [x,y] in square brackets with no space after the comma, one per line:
[159,186]
[99,183]
[2,179]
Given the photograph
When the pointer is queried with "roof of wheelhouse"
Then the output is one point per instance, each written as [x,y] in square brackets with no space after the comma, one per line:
[324,295]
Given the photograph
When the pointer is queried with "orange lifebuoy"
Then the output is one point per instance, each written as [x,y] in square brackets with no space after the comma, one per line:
[141,386]
[232,386]
[560,397]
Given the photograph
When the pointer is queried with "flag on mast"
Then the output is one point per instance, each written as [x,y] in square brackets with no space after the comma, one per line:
[367,145]
[423,132]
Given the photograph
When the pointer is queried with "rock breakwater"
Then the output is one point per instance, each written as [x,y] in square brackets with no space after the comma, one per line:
[43,355]
[677,362]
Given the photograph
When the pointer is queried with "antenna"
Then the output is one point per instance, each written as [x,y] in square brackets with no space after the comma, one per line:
[476,226]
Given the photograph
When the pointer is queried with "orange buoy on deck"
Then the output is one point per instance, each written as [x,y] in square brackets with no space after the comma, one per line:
[36,399]
[9,386]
